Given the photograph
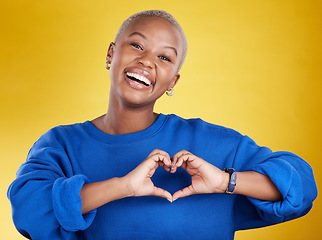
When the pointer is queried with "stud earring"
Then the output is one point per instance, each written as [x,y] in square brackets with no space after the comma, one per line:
[107,63]
[107,66]
[170,92]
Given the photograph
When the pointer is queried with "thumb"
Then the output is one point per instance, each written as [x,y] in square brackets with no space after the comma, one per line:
[183,193]
[159,192]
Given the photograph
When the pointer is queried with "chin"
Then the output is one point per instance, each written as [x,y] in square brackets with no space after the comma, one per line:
[137,100]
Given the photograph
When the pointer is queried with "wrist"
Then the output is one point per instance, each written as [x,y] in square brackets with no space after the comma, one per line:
[125,188]
[225,182]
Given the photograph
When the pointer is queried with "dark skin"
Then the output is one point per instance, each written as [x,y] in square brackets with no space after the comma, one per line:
[155,54]
[153,51]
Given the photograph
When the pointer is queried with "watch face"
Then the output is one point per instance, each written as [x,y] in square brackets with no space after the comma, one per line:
[233,179]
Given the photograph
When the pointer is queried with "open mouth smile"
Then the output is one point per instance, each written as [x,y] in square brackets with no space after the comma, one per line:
[139,78]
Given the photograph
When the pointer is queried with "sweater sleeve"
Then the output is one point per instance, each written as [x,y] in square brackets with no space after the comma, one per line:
[45,198]
[292,176]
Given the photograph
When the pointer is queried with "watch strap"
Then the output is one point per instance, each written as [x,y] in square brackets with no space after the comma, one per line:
[232,180]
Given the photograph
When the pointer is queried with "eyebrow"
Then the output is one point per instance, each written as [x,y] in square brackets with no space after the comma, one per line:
[137,33]
[144,37]
[175,50]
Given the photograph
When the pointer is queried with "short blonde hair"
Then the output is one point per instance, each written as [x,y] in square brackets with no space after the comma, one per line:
[156,13]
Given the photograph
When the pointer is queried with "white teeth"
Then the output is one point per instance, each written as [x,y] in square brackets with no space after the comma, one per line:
[139,77]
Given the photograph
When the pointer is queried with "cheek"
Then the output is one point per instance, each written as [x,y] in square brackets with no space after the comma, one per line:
[123,55]
[117,58]
[118,63]
[167,75]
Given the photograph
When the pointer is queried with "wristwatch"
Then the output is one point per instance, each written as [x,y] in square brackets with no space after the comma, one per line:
[232,180]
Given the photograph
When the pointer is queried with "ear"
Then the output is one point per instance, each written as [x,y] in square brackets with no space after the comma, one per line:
[110,52]
[174,80]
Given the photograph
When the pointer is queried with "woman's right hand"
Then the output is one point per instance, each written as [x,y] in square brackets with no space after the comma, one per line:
[136,183]
[139,181]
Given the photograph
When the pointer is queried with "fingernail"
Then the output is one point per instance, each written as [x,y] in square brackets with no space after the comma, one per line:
[170,200]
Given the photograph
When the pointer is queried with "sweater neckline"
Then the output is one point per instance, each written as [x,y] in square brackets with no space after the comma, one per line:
[129,137]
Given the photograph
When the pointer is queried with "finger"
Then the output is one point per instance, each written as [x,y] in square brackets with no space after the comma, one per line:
[173,167]
[163,160]
[183,193]
[176,162]
[167,168]
[190,160]
[149,166]
[154,152]
[163,156]
[179,154]
[184,158]
[159,192]
[158,151]
[184,165]
[156,160]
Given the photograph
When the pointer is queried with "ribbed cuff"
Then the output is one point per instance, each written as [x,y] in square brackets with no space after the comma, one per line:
[67,203]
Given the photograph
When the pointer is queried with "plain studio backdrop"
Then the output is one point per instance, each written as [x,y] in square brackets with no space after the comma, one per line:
[254,66]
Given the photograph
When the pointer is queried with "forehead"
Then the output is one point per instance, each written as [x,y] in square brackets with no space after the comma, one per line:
[154,27]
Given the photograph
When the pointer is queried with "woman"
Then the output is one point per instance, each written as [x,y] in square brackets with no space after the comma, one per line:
[100,179]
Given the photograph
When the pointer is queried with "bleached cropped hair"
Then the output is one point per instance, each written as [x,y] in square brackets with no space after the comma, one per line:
[156,13]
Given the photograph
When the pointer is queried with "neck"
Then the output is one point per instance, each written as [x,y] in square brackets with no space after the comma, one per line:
[128,121]
[122,120]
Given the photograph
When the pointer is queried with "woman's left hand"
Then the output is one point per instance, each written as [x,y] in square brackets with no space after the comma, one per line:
[205,177]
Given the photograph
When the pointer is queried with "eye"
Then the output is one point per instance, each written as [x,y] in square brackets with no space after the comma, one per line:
[165,58]
[137,46]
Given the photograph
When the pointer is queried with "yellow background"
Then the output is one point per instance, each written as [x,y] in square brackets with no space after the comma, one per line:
[254,66]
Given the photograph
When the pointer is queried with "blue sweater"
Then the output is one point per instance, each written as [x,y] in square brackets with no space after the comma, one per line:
[45,195]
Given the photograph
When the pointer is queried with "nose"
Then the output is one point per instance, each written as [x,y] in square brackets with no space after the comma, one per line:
[146,60]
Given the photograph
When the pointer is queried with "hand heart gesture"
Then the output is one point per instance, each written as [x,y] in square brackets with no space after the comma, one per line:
[205,178]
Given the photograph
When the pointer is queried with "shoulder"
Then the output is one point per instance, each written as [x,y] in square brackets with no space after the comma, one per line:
[61,134]
[202,127]
[64,130]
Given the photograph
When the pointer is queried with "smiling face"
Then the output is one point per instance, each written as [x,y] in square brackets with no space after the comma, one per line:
[145,61]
